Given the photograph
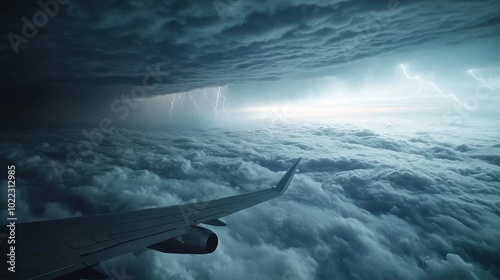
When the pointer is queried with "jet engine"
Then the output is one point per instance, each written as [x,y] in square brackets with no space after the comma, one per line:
[197,240]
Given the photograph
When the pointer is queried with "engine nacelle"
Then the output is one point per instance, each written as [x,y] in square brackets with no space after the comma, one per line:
[197,240]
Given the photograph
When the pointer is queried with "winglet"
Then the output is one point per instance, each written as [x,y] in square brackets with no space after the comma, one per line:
[282,185]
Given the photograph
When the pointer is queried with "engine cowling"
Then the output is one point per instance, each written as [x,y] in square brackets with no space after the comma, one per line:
[197,240]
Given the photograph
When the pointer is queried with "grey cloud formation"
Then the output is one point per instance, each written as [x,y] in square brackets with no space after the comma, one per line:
[205,43]
[368,203]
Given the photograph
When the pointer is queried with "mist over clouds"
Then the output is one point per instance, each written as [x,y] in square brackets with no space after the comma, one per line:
[401,200]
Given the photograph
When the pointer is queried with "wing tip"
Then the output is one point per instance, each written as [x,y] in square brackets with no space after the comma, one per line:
[284,182]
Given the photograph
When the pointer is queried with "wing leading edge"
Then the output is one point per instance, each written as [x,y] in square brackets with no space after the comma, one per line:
[54,248]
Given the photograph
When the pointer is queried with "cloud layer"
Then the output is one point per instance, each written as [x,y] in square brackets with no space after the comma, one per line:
[204,43]
[368,203]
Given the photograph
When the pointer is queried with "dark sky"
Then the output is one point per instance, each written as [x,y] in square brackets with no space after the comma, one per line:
[84,54]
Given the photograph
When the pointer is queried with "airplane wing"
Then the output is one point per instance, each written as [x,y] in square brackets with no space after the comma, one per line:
[76,246]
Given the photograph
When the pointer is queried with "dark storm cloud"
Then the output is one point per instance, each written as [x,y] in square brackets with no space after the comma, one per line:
[366,204]
[204,43]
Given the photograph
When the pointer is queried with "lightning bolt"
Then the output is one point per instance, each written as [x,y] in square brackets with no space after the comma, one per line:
[217,96]
[208,99]
[220,96]
[224,105]
[217,105]
[434,86]
[172,104]
[196,106]
[482,81]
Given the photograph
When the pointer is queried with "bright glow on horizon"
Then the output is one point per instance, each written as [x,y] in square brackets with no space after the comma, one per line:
[324,108]
[333,98]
